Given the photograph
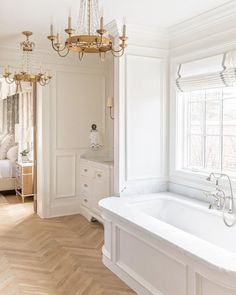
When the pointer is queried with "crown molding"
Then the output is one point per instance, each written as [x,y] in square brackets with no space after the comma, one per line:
[147,36]
[141,35]
[207,46]
[214,21]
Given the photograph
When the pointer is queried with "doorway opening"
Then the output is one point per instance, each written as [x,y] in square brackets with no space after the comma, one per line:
[18,177]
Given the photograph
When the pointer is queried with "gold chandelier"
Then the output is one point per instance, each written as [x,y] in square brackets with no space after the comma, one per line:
[27,74]
[90,35]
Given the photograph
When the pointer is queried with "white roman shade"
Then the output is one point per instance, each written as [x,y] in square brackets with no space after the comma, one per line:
[212,72]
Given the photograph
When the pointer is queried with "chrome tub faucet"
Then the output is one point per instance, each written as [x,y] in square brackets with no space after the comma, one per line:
[219,199]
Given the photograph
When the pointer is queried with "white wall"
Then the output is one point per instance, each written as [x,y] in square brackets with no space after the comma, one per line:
[77,100]
[140,105]
[73,101]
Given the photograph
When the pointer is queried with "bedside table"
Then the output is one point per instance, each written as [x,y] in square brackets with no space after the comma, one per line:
[24,180]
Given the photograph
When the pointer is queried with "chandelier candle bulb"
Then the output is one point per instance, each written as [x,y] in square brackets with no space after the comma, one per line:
[51,29]
[101,23]
[124,30]
[69,21]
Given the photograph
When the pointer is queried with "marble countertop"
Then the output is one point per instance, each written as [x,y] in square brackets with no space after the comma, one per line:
[102,160]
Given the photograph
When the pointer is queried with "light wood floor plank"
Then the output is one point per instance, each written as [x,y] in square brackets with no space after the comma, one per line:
[59,256]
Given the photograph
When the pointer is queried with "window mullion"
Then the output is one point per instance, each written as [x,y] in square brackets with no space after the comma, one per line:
[188,130]
[221,130]
[204,132]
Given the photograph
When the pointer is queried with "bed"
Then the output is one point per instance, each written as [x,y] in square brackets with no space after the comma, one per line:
[7,175]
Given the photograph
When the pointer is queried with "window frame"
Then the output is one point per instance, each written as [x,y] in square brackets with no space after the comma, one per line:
[191,184]
[182,131]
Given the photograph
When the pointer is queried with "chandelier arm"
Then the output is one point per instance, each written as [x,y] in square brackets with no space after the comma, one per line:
[58,49]
[46,81]
[63,55]
[42,83]
[81,55]
[9,80]
[118,53]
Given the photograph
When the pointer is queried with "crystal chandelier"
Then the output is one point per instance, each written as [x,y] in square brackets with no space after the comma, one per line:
[27,74]
[90,35]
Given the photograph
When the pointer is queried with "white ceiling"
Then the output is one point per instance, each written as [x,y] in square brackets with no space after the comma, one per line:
[16,16]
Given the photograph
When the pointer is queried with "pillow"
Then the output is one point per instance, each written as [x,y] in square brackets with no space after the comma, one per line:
[6,144]
[12,153]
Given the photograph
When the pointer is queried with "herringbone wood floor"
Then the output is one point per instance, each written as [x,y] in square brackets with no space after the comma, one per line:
[52,257]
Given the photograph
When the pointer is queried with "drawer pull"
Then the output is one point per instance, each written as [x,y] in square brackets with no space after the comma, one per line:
[99,175]
[85,170]
[85,200]
[85,185]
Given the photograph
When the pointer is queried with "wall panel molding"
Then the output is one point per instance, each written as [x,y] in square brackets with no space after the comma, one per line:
[65,176]
[142,122]
[81,99]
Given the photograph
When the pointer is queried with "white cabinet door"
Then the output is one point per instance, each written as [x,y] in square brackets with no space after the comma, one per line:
[100,188]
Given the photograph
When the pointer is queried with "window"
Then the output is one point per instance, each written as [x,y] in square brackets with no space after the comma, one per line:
[207,127]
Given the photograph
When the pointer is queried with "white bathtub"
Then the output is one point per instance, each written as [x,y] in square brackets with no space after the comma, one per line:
[169,245]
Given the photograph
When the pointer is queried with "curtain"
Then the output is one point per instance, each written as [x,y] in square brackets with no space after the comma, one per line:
[12,112]
[25,118]
[9,114]
[213,72]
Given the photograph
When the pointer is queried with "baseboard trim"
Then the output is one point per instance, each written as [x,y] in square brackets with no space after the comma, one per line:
[64,210]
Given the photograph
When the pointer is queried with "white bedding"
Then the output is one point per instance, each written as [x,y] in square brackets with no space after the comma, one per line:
[7,169]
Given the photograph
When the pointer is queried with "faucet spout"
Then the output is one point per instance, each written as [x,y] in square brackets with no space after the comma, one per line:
[219,198]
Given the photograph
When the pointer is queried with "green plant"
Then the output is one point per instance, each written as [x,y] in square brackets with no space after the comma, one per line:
[24,153]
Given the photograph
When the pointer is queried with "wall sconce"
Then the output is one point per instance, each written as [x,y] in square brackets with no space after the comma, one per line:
[110,106]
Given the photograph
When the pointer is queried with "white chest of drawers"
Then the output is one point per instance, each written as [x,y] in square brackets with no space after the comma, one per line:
[96,183]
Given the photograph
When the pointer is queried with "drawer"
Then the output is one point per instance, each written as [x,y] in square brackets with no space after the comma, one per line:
[101,175]
[85,201]
[27,170]
[84,183]
[84,171]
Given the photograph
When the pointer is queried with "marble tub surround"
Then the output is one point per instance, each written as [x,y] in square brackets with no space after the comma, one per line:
[174,238]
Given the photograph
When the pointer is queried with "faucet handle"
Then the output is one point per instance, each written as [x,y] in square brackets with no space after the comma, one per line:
[208,194]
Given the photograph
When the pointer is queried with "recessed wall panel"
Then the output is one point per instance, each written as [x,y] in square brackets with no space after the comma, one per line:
[65,176]
[143,117]
[80,102]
